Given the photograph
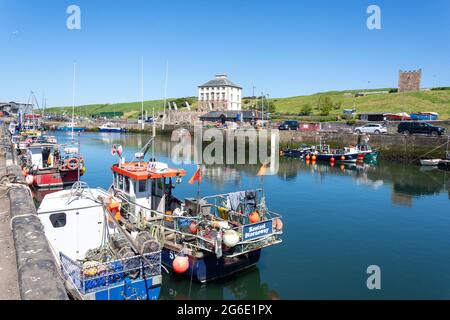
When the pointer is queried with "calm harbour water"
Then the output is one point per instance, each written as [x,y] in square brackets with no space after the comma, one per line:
[337,221]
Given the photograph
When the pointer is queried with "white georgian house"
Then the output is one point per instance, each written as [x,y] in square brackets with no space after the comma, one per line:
[220,94]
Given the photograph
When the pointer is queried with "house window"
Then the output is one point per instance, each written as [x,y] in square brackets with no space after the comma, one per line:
[58,220]
[231,97]
[202,96]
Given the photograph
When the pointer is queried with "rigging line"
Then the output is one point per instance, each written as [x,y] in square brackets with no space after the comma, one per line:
[430,151]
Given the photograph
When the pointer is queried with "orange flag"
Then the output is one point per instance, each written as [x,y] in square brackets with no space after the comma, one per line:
[262,170]
[196,177]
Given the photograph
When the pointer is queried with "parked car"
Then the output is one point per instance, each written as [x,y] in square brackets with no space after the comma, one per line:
[371,128]
[420,127]
[289,125]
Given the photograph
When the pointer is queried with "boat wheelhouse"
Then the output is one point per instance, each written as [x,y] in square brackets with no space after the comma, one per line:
[207,238]
[97,260]
[48,165]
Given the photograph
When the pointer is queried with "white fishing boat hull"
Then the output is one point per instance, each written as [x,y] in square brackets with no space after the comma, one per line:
[429,162]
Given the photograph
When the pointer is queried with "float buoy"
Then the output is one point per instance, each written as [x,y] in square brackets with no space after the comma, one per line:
[332,160]
[342,158]
[193,228]
[29,179]
[230,238]
[180,264]
[308,157]
[254,217]
[83,170]
[277,224]
[314,158]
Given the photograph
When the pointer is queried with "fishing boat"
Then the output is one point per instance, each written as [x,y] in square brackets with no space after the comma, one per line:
[97,260]
[401,116]
[109,127]
[71,126]
[299,152]
[48,165]
[204,238]
[430,162]
[325,153]
[425,116]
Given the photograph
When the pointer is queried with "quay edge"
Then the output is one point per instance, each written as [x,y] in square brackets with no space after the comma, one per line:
[37,273]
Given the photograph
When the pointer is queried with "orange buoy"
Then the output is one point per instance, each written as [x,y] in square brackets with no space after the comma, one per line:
[308,157]
[342,158]
[180,264]
[193,228]
[314,158]
[254,217]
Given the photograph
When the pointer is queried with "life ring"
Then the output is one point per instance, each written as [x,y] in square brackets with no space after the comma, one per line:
[72,164]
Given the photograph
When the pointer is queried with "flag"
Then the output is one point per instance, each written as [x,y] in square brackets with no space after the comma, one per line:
[196,177]
[262,170]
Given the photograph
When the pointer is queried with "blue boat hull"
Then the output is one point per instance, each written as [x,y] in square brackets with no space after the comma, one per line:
[131,290]
[423,117]
[348,157]
[210,267]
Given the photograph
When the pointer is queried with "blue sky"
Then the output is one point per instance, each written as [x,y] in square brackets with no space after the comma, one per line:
[284,48]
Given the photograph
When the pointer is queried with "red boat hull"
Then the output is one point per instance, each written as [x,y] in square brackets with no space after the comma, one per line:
[54,178]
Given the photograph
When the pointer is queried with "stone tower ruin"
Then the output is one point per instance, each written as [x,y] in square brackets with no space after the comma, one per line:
[409,81]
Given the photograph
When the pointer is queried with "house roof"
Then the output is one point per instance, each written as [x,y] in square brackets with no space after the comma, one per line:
[220,82]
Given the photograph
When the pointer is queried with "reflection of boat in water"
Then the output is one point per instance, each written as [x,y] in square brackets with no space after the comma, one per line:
[246,286]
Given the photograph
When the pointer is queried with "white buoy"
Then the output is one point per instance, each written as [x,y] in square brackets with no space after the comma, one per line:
[230,238]
[29,179]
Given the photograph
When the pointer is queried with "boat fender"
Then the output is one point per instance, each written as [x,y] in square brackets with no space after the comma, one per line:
[29,179]
[277,224]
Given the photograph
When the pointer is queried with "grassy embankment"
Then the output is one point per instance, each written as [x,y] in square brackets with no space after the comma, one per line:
[436,101]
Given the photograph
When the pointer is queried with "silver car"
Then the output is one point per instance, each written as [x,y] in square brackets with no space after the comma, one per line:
[371,128]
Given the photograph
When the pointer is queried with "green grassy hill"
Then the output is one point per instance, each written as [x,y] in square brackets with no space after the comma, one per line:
[435,101]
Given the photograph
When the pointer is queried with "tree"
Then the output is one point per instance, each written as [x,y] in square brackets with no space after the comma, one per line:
[326,104]
[306,110]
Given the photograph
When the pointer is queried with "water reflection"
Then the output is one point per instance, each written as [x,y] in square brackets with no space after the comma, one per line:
[243,286]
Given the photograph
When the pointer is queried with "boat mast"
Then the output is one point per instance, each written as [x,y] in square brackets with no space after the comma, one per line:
[142,93]
[165,94]
[73,97]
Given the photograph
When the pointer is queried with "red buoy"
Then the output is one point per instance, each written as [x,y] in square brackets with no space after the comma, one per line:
[180,264]
[193,228]
[332,160]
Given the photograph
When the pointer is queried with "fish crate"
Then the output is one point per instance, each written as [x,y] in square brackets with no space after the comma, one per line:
[94,276]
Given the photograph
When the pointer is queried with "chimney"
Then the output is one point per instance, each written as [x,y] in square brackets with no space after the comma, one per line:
[221,76]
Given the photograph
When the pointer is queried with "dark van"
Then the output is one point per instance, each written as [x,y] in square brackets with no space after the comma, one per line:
[289,125]
[420,127]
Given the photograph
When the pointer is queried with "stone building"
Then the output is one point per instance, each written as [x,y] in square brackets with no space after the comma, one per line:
[409,81]
[220,94]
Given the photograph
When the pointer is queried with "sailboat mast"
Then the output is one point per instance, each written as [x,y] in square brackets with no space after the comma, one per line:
[165,95]
[73,97]
[142,93]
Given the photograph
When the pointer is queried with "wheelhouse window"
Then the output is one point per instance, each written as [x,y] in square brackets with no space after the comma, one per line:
[142,185]
[127,184]
[58,220]
[120,182]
